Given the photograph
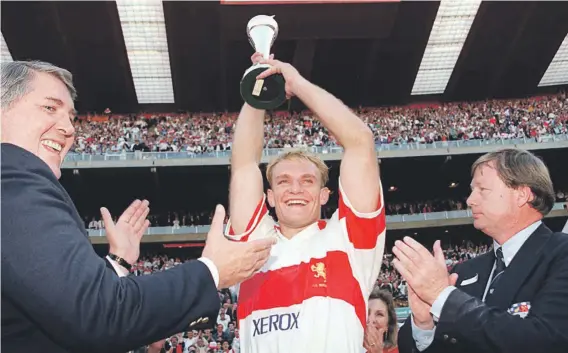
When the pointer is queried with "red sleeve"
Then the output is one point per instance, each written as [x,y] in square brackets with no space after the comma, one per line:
[363,229]
[258,214]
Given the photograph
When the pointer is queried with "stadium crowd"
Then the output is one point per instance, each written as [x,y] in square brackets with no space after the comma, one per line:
[184,218]
[198,133]
[225,337]
[195,218]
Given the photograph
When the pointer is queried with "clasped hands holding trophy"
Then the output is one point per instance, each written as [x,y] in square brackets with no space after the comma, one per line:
[268,83]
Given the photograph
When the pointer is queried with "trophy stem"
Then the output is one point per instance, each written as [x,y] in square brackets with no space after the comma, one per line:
[261,38]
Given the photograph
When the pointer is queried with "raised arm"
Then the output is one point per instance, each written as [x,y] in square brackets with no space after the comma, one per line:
[246,178]
[360,189]
[359,166]
[246,189]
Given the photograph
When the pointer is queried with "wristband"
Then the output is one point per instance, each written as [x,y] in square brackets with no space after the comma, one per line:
[122,262]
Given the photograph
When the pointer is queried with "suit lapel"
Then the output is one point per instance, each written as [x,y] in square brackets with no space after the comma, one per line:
[483,270]
[520,268]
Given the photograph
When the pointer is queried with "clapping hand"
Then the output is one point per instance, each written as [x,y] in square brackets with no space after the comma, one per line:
[124,237]
[373,341]
[426,274]
[235,261]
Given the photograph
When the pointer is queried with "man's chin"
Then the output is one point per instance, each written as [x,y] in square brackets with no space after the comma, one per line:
[298,221]
[53,161]
[478,224]
[56,171]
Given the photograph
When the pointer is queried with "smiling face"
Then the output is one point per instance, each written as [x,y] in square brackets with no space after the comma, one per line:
[297,193]
[378,314]
[41,120]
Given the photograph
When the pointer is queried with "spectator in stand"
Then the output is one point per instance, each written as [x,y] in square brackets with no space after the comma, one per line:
[213,347]
[219,334]
[201,345]
[230,309]
[230,332]
[207,335]
[236,343]
[191,338]
[381,331]
[226,348]
[174,345]
[223,319]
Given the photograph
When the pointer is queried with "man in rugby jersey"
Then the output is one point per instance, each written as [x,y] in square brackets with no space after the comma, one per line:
[311,294]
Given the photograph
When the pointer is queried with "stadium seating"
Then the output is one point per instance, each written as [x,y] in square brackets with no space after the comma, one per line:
[532,118]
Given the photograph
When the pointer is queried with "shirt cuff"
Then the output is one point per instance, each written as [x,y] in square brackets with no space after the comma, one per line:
[117,268]
[438,304]
[212,268]
[422,338]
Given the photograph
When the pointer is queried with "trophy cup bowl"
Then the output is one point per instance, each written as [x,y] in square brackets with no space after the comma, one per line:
[267,93]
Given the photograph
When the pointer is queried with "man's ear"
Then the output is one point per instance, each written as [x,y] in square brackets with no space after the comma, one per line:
[524,195]
[324,195]
[270,198]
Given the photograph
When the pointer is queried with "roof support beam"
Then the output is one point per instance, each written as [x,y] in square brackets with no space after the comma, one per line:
[557,71]
[144,29]
[451,28]
[6,56]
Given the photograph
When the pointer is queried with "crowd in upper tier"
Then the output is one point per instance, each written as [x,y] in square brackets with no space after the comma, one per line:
[533,118]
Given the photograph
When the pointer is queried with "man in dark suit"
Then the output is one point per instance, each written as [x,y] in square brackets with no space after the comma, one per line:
[57,294]
[511,299]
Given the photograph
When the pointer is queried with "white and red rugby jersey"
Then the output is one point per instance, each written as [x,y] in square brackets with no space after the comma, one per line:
[311,295]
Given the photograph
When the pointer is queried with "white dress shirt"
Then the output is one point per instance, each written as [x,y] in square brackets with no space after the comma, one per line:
[424,338]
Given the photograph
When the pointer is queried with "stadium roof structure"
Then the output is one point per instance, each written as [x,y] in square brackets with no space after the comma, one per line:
[187,55]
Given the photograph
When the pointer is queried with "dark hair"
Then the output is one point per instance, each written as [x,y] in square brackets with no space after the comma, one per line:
[392,327]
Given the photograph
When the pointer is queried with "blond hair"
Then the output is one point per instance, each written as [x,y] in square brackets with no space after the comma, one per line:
[518,168]
[299,155]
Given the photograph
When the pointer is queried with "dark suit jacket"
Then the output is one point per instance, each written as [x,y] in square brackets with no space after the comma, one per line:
[538,274]
[59,296]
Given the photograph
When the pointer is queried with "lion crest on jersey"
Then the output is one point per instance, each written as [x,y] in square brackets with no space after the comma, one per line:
[319,270]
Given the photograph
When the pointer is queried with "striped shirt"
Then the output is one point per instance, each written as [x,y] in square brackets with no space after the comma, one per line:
[311,295]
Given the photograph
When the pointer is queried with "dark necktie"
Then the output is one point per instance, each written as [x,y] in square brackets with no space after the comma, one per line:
[498,273]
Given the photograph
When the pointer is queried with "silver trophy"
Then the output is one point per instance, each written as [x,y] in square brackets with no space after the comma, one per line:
[267,93]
